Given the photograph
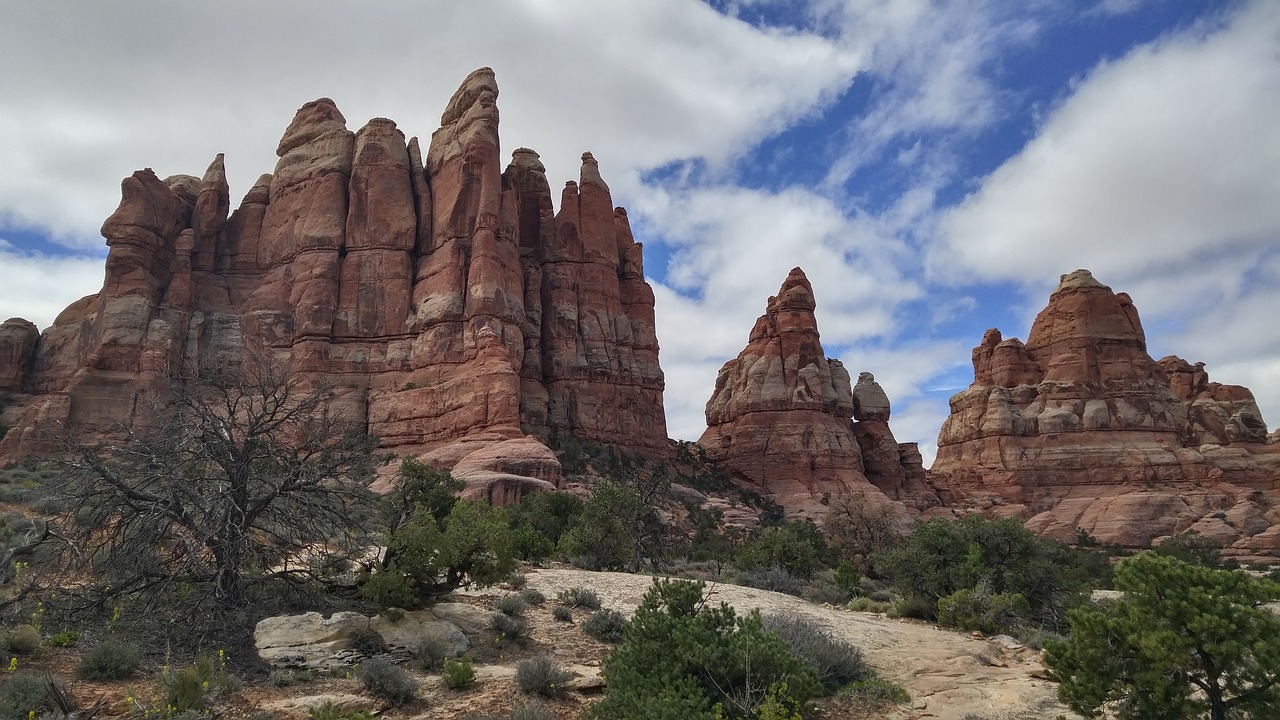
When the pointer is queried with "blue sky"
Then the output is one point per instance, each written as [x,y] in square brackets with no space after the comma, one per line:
[933,166]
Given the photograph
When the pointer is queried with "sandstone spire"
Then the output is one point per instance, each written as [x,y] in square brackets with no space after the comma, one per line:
[443,297]
[780,416]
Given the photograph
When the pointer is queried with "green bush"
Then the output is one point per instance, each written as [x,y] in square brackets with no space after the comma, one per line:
[23,640]
[436,542]
[22,694]
[196,686]
[512,605]
[916,608]
[605,625]
[367,642]
[458,674]
[285,678]
[517,580]
[388,681]
[774,579]
[532,596]
[579,597]
[509,630]
[797,547]
[862,604]
[562,613]
[940,557]
[431,654]
[680,658]
[541,676]
[982,611]
[64,639]
[875,693]
[111,659]
[540,520]
[836,662]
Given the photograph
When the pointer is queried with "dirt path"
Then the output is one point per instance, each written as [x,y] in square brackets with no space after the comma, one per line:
[948,674]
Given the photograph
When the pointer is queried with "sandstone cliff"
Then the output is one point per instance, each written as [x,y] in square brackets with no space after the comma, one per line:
[444,298]
[1080,428]
[781,418]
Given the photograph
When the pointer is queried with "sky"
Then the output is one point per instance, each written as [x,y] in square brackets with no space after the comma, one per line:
[933,166]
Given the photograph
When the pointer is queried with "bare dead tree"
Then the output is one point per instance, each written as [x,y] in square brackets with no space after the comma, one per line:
[860,523]
[231,475]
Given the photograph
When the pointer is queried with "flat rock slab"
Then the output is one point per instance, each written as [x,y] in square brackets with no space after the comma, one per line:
[311,640]
[340,701]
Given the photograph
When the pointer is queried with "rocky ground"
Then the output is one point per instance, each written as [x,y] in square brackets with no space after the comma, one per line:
[949,675]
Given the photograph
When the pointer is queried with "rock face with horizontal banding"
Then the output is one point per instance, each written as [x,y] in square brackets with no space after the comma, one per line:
[1079,428]
[446,299]
[782,417]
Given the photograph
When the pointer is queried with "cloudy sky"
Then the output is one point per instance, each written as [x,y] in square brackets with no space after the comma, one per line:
[933,166]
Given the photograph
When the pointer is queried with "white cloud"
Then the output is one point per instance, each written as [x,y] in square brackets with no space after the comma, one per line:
[37,287]
[94,94]
[1159,173]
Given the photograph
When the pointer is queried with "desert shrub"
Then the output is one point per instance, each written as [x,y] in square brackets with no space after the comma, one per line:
[579,597]
[64,639]
[285,678]
[388,681]
[913,607]
[846,577]
[22,640]
[605,625]
[458,674]
[882,596]
[329,711]
[562,613]
[836,663]
[509,630]
[822,592]
[619,526]
[512,605]
[532,596]
[431,654]
[111,659]
[541,676]
[196,686]
[940,557]
[983,611]
[797,547]
[859,525]
[1192,547]
[23,695]
[540,520]
[775,579]
[517,580]
[367,642]
[862,604]
[436,542]
[681,657]
[875,693]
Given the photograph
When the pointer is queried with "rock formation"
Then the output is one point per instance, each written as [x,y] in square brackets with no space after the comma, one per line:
[441,295]
[1080,428]
[780,419]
